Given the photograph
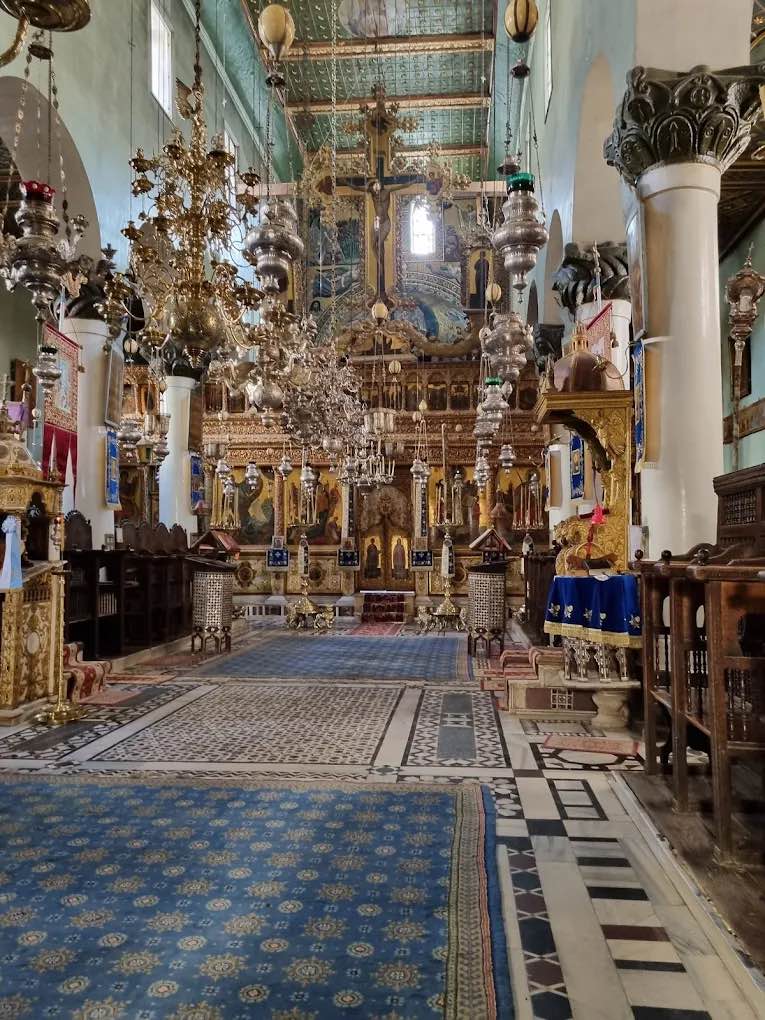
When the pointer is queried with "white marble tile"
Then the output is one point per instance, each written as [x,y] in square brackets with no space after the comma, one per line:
[731,1011]
[518,749]
[392,749]
[660,988]
[582,812]
[536,799]
[602,789]
[585,828]
[649,871]
[591,978]
[587,848]
[512,827]
[568,797]
[638,912]
[643,949]
[596,875]
[553,848]
[685,934]
[714,984]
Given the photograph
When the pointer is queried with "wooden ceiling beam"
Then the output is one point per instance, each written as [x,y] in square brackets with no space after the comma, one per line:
[391,45]
[413,102]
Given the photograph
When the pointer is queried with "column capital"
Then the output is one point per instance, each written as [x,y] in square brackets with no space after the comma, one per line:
[696,116]
[575,280]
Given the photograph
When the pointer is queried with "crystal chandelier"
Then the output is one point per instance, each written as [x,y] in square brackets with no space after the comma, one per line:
[193,297]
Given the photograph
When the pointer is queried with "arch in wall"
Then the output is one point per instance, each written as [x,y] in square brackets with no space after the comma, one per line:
[532,307]
[553,257]
[597,210]
[28,162]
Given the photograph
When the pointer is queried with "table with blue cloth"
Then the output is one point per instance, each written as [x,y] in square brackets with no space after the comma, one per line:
[606,611]
[597,618]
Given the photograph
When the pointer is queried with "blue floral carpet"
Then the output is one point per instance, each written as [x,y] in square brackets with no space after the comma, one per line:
[128,899]
[290,656]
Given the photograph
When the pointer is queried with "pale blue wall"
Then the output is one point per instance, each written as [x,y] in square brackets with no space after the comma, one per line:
[751,448]
[581,32]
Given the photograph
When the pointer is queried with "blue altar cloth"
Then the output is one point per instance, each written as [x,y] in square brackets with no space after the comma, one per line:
[605,611]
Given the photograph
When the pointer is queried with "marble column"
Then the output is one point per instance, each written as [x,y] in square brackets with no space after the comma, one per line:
[175,471]
[674,134]
[89,495]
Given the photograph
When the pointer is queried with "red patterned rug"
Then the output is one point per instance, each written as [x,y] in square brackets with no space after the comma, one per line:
[376,630]
[601,745]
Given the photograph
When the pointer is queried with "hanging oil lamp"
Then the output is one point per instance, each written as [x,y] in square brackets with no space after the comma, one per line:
[521,235]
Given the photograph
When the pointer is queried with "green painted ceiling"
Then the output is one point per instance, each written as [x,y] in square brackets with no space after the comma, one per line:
[359,18]
[437,72]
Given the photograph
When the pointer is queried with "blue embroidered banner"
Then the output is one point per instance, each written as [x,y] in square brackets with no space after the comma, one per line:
[638,388]
[112,490]
[605,611]
[577,466]
[197,481]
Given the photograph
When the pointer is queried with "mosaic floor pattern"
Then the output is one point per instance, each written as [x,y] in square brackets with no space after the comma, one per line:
[600,922]
[278,724]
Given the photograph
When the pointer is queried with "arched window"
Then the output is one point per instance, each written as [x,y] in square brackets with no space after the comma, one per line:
[422,229]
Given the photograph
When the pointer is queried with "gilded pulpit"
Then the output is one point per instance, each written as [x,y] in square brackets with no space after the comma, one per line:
[32,629]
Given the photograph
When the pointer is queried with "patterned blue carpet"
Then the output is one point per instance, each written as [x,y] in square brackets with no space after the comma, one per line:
[293,657]
[157,900]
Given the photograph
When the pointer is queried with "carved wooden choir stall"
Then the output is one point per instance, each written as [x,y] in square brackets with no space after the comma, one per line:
[129,598]
[704,651]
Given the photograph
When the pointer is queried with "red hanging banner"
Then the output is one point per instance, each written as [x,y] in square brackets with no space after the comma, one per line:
[60,410]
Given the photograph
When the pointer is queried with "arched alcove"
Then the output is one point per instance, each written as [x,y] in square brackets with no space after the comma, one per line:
[597,212]
[553,257]
[532,308]
[29,161]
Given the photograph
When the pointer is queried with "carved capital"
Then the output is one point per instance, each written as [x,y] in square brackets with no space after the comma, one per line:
[575,280]
[548,340]
[698,116]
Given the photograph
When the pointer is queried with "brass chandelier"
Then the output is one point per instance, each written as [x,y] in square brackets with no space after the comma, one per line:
[194,300]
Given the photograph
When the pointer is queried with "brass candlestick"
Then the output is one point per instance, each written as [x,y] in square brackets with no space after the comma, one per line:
[63,711]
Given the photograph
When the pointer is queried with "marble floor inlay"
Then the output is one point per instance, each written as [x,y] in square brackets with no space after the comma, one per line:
[457,729]
[234,723]
[600,921]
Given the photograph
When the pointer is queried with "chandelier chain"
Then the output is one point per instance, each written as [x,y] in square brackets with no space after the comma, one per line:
[20,113]
[197,43]
[61,166]
[333,169]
